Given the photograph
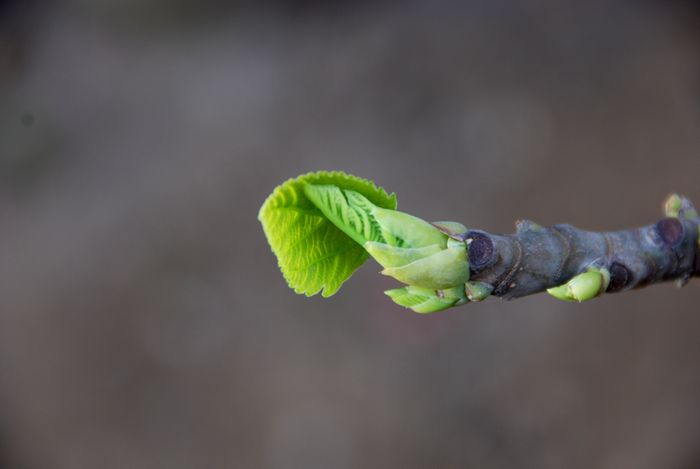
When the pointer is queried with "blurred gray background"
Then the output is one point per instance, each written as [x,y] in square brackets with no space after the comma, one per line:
[144,323]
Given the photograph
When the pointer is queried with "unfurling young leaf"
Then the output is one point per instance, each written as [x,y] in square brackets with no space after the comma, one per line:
[322,225]
[313,253]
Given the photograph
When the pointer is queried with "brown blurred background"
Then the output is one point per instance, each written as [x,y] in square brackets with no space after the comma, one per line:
[143,321]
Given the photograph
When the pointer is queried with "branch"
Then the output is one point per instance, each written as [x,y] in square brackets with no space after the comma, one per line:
[322,225]
[535,259]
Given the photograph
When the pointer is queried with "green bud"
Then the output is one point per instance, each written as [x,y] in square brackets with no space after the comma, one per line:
[445,269]
[477,291]
[425,300]
[678,206]
[391,256]
[404,230]
[584,286]
[417,253]
[455,292]
[672,206]
[450,228]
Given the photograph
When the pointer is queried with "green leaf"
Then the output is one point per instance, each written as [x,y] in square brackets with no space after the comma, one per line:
[312,252]
[347,210]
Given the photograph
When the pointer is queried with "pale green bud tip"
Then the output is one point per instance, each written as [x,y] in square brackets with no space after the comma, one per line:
[678,206]
[561,293]
[425,300]
[404,230]
[478,291]
[391,256]
[672,206]
[450,228]
[584,286]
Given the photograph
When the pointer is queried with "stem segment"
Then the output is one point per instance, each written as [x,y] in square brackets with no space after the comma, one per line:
[534,258]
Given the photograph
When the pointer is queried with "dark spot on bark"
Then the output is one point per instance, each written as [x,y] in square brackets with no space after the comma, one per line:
[670,231]
[480,250]
[619,277]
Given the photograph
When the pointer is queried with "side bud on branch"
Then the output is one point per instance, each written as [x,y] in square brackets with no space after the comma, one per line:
[583,287]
